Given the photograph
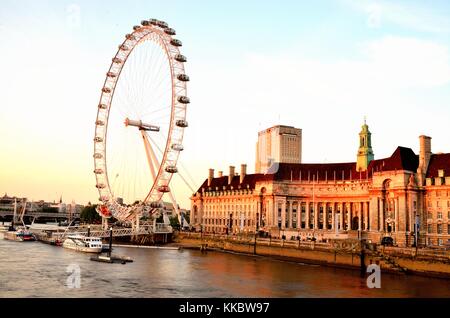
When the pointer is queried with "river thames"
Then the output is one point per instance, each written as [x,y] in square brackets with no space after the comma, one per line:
[39,270]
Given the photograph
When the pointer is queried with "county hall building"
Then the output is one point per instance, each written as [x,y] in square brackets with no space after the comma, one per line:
[367,199]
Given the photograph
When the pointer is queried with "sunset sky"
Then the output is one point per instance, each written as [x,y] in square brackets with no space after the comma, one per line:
[317,65]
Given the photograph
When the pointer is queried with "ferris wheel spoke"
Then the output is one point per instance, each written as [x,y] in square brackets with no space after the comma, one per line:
[155,111]
[150,155]
[179,172]
[160,94]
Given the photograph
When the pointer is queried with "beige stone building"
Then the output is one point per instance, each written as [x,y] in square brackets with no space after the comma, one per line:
[369,199]
[278,144]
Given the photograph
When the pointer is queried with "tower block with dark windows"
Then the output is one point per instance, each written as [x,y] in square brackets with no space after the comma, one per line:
[365,152]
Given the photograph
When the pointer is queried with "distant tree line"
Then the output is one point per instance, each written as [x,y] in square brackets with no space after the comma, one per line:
[90,215]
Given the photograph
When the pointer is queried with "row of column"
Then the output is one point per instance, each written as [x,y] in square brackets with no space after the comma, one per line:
[337,209]
[381,214]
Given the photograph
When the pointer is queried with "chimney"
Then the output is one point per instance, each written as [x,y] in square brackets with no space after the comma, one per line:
[220,174]
[424,158]
[231,175]
[243,173]
[210,177]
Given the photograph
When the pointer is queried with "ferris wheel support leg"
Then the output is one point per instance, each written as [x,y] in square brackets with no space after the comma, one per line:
[137,224]
[175,206]
[104,223]
[151,158]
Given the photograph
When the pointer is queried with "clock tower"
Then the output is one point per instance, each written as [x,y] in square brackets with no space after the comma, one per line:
[365,152]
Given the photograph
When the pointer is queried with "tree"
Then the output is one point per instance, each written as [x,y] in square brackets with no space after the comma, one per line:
[174,223]
[187,216]
[160,218]
[90,215]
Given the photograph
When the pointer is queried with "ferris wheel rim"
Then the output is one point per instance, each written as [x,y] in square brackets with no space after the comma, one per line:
[175,133]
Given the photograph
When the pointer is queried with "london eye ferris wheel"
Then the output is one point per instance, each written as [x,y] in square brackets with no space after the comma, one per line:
[140,122]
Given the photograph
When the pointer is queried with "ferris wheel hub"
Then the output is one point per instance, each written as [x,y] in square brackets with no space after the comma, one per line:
[140,125]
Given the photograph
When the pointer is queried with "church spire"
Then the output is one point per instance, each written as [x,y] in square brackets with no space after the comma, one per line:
[365,152]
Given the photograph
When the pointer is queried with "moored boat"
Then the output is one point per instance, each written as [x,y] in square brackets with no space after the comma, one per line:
[19,236]
[81,243]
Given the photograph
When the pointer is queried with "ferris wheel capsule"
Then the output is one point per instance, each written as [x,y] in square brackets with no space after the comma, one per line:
[183,77]
[162,24]
[182,123]
[180,58]
[164,189]
[177,147]
[176,42]
[170,31]
[184,99]
[171,169]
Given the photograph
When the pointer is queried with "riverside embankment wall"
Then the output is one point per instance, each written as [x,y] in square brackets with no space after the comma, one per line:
[344,254]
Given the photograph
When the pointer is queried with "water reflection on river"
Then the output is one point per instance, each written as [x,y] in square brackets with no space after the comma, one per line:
[38,270]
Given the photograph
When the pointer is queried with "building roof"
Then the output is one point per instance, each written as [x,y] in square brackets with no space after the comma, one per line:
[402,159]
[281,127]
[439,162]
[317,171]
[248,182]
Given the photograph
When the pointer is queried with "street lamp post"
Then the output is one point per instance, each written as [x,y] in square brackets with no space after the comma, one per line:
[416,233]
[256,232]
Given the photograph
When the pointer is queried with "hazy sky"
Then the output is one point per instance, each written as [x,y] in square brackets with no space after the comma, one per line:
[317,65]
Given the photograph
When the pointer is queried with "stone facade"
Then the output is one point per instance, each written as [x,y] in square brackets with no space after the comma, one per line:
[328,201]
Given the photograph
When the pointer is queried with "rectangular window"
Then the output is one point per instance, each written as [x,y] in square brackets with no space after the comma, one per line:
[430,215]
[439,228]
[430,228]
[448,229]
[439,215]
[440,242]
[438,204]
